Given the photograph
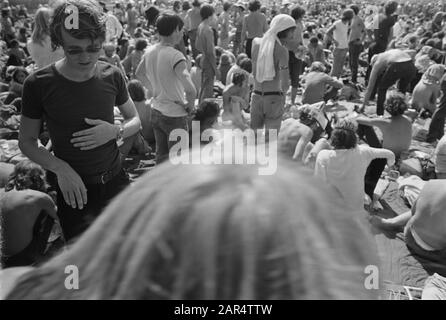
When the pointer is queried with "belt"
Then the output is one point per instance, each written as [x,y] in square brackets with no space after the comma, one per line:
[271,93]
[102,178]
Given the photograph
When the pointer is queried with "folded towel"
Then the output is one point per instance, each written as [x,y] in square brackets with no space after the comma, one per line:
[265,61]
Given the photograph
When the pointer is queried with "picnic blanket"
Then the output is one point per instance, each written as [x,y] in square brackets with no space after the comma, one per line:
[398,265]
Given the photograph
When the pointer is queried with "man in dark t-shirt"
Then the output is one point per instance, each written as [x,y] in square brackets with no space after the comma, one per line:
[76,97]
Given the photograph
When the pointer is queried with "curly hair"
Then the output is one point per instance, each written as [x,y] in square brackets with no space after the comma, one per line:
[395,103]
[344,135]
[206,110]
[91,21]
[27,175]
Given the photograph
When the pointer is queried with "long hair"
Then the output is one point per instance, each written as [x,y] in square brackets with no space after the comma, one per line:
[215,232]
[42,25]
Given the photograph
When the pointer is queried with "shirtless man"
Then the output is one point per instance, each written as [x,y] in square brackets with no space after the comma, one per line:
[397,135]
[270,69]
[427,91]
[424,226]
[234,100]
[23,204]
[387,68]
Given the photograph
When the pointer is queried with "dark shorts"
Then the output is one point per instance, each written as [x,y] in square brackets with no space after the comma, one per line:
[432,261]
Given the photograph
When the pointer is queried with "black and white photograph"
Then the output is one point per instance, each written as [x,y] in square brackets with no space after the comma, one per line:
[222,155]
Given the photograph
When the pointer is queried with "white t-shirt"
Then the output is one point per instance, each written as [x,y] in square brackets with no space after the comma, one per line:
[160,62]
[440,156]
[345,170]
[43,54]
[113,28]
[340,34]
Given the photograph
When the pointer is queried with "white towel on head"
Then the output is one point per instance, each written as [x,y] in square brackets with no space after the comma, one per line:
[265,61]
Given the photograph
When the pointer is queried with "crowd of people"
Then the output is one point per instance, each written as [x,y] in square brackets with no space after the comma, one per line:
[342,88]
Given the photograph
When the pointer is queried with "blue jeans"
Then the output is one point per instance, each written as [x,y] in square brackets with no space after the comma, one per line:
[355,49]
[162,127]
[207,81]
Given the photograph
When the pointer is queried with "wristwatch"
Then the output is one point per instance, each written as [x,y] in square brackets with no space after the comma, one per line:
[120,135]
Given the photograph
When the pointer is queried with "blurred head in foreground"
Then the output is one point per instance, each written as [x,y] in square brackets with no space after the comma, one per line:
[215,232]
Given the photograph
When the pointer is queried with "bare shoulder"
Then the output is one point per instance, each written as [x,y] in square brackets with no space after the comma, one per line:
[280,53]
[27,197]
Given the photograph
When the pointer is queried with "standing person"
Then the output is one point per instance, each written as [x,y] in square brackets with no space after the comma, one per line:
[296,48]
[114,27]
[7,26]
[192,22]
[388,68]
[239,8]
[205,45]
[254,25]
[76,97]
[383,33]
[338,33]
[119,13]
[355,42]
[163,71]
[271,74]
[39,46]
[436,128]
[132,19]
[223,21]
[183,15]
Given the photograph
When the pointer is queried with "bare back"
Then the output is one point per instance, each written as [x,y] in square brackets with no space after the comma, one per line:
[397,134]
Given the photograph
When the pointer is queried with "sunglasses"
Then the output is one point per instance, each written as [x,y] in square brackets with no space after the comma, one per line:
[90,50]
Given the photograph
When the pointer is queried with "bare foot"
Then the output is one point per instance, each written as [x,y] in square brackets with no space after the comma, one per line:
[376,205]
[379,222]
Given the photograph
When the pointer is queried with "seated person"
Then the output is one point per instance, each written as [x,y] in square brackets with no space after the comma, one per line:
[424,227]
[316,51]
[345,166]
[436,127]
[17,52]
[234,100]
[27,215]
[138,95]
[434,288]
[427,91]
[16,85]
[440,159]
[111,56]
[207,115]
[303,139]
[236,67]
[223,67]
[293,138]
[316,83]
[396,133]
[131,62]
